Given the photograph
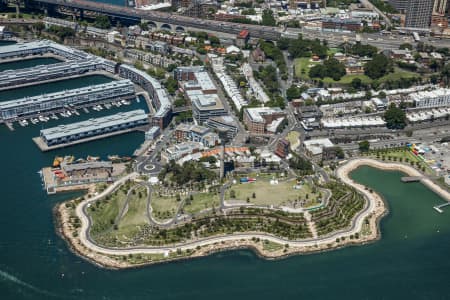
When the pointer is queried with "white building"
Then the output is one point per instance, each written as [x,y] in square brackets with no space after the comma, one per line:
[435,98]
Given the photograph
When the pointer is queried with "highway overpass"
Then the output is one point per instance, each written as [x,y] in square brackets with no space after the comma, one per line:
[156,18]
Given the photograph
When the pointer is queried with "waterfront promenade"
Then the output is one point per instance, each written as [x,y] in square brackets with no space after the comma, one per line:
[374,208]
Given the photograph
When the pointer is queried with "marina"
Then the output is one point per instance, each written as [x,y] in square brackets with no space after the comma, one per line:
[48,104]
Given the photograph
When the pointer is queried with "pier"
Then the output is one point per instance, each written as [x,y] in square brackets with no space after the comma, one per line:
[439,208]
[407,179]
[47,104]
[37,74]
[90,130]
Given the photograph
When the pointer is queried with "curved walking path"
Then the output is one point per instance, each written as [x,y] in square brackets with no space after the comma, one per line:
[374,206]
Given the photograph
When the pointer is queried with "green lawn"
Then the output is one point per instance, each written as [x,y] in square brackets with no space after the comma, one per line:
[164,207]
[398,73]
[347,79]
[137,209]
[305,64]
[293,138]
[104,212]
[202,201]
[271,246]
[265,193]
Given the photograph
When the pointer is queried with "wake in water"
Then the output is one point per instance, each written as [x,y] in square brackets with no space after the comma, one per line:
[4,276]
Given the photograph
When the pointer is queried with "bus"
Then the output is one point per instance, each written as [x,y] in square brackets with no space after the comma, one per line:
[416,37]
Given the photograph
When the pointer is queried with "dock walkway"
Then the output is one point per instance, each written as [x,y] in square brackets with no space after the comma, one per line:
[407,179]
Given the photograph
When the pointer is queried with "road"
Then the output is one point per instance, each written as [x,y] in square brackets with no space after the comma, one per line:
[86,240]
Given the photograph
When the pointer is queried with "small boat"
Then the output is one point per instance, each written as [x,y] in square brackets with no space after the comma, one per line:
[34,120]
[42,119]
[63,114]
[76,112]
[85,110]
[114,158]
[92,158]
[54,117]
[69,159]
[138,100]
[80,160]
[107,105]
[125,102]
[118,104]
[68,113]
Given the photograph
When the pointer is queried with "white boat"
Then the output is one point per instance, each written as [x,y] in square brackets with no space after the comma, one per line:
[42,119]
[125,102]
[34,120]
[107,105]
[138,99]
[54,117]
[68,113]
[100,107]
[86,110]
[21,123]
[76,112]
[118,104]
[25,122]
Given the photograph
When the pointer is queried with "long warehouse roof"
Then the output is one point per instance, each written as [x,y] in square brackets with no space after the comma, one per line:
[65,94]
[93,124]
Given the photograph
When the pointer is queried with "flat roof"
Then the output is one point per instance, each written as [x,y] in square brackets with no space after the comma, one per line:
[66,94]
[256,113]
[93,124]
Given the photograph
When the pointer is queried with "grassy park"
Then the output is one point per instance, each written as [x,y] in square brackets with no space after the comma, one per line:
[201,201]
[262,192]
[304,64]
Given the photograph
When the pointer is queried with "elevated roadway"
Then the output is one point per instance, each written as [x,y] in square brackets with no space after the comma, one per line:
[129,13]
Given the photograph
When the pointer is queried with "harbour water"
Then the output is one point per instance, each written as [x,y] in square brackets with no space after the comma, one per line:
[409,262]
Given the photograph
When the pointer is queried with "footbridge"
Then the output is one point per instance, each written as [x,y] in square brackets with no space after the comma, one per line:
[155,18]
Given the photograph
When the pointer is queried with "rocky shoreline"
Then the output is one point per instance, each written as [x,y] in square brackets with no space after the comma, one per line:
[376,209]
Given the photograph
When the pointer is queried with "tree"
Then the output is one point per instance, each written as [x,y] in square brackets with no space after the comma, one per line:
[268,18]
[364,146]
[356,83]
[379,66]
[406,46]
[334,68]
[293,92]
[318,71]
[395,117]
[102,22]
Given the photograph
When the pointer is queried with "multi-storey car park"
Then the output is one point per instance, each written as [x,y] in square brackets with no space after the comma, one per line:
[65,135]
[48,103]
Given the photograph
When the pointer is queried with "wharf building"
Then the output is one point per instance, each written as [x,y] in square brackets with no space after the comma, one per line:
[42,47]
[38,74]
[263,120]
[67,134]
[436,98]
[42,104]
[159,96]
